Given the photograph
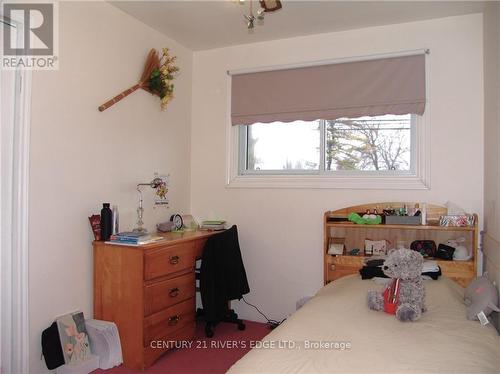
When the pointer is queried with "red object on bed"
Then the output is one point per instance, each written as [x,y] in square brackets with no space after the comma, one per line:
[391,297]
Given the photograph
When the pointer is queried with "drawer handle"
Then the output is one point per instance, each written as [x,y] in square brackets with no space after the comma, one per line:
[172,321]
[174,292]
[174,260]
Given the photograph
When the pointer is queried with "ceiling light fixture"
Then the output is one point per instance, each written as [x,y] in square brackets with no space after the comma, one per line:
[265,7]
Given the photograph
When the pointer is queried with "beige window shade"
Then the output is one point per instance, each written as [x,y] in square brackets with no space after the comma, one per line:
[393,85]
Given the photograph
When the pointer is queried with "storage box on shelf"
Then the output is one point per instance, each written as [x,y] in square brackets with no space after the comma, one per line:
[354,235]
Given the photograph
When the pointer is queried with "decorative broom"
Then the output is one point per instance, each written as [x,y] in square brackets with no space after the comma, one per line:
[156,78]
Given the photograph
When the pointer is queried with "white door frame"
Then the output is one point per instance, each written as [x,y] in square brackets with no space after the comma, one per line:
[14,219]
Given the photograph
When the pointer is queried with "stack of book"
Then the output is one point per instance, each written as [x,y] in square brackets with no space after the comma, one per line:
[213,225]
[133,238]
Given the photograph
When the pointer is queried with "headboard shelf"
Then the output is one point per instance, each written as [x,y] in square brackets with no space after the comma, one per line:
[353,236]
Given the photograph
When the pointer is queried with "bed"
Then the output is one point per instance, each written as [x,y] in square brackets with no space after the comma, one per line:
[335,332]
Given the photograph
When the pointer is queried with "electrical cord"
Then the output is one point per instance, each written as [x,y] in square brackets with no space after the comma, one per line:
[271,322]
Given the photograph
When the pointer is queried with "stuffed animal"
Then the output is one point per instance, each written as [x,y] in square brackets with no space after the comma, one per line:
[461,253]
[481,296]
[406,266]
[367,219]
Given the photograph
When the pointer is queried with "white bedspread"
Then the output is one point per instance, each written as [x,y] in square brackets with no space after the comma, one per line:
[442,341]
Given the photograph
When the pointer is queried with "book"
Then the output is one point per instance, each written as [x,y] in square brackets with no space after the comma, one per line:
[126,237]
[132,243]
[131,234]
[213,227]
[74,338]
[152,239]
[213,222]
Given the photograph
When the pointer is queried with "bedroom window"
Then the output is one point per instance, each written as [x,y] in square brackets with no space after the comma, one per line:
[345,124]
[365,145]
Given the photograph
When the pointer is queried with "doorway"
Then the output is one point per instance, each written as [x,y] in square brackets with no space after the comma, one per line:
[15,97]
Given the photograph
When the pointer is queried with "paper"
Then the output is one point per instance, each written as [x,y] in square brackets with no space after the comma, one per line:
[161,192]
[483,320]
[105,342]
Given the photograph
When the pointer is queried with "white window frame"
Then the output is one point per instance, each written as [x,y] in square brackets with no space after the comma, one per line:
[419,178]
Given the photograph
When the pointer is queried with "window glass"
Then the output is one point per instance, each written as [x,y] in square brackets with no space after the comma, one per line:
[283,146]
[364,144]
[368,143]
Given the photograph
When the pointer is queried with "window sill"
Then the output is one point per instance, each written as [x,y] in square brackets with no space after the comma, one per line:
[332,182]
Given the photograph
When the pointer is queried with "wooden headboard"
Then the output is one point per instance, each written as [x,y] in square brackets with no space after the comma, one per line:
[353,236]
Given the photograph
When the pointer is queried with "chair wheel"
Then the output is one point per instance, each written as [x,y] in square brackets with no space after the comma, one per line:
[209,332]
[241,326]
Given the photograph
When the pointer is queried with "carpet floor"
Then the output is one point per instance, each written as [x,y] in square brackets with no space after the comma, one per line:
[205,356]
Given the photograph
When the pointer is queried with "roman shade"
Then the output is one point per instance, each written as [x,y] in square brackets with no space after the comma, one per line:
[394,85]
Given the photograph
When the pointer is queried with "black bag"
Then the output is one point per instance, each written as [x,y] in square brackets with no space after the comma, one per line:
[426,248]
[445,252]
[51,347]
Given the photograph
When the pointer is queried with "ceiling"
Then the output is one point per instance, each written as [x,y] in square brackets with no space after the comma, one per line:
[201,25]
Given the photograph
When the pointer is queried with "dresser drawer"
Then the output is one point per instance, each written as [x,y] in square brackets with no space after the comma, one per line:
[153,351]
[163,294]
[169,260]
[162,325]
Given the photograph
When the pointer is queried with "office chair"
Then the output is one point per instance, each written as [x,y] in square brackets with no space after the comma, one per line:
[222,278]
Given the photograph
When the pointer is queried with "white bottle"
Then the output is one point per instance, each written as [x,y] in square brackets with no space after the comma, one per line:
[424,214]
[116,221]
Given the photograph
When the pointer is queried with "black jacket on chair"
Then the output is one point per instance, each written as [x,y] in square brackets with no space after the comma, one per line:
[222,274]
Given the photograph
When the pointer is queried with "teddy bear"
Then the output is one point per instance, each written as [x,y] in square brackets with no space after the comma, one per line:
[405,265]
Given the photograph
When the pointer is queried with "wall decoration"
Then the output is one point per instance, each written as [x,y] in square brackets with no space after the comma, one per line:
[157,78]
[161,197]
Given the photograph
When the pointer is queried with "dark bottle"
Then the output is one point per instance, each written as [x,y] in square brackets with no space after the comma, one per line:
[106,222]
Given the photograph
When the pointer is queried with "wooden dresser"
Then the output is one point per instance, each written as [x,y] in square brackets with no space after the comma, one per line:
[149,292]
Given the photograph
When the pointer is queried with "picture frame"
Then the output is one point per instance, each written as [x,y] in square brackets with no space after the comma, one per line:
[375,247]
[336,246]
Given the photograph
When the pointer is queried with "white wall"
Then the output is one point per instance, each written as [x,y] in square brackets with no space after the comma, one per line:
[492,140]
[81,157]
[281,229]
